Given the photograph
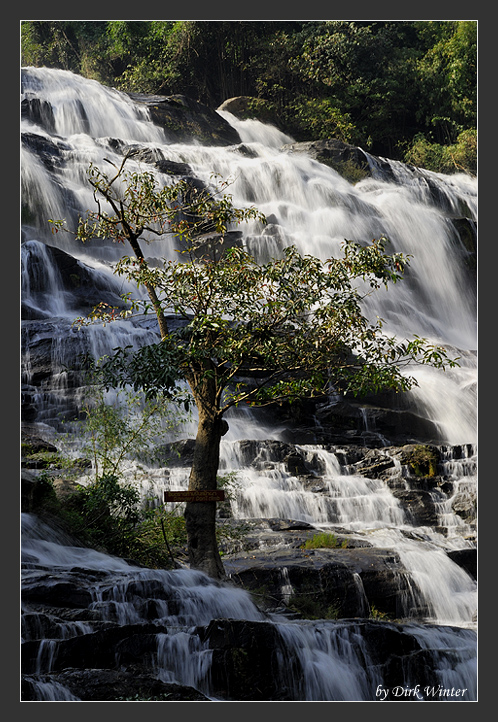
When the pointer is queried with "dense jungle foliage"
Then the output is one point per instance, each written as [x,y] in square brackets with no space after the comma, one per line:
[405,90]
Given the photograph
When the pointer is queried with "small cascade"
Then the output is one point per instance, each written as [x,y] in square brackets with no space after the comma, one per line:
[41,284]
[287,589]
[174,620]
[269,488]
[446,588]
[462,676]
[46,690]
[54,388]
[266,488]
[459,466]
[330,657]
[79,106]
[452,193]
[364,604]
[184,657]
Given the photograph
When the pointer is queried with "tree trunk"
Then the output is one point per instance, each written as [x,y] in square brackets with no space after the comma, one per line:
[201,516]
[161,319]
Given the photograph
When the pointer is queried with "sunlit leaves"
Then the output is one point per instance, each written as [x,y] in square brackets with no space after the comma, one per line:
[135,204]
[291,327]
[254,332]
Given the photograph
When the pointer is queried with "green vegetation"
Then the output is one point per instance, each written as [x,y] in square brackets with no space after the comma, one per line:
[106,510]
[460,156]
[324,541]
[108,515]
[120,426]
[423,460]
[377,614]
[401,89]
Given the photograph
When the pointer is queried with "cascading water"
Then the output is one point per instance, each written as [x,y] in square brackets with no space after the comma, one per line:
[309,205]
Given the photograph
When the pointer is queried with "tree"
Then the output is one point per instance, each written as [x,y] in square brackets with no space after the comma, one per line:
[448,78]
[78,46]
[49,42]
[251,333]
[368,71]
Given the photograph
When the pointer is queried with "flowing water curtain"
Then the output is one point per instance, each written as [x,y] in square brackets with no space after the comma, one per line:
[310,205]
[314,661]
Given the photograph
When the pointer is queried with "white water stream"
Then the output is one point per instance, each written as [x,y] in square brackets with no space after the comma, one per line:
[311,206]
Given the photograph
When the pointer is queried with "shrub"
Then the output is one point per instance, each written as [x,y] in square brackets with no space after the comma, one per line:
[423,460]
[456,158]
[324,541]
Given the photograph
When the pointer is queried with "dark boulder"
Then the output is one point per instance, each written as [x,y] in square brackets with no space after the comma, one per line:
[31,443]
[419,506]
[55,592]
[246,661]
[38,111]
[213,245]
[372,463]
[465,558]
[48,150]
[50,271]
[466,231]
[132,684]
[35,491]
[152,156]
[100,649]
[184,119]
[348,160]
[329,583]
[374,421]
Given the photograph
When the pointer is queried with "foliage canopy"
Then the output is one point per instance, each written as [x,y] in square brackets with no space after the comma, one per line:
[290,328]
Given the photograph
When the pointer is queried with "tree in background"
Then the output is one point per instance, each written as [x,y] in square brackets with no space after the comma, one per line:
[448,79]
[79,46]
[375,84]
[249,333]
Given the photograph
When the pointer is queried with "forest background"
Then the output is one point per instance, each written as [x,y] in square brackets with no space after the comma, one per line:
[406,90]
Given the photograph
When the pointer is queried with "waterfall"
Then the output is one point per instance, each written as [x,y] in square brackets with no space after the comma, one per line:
[82,107]
[335,662]
[37,271]
[364,506]
[269,489]
[308,204]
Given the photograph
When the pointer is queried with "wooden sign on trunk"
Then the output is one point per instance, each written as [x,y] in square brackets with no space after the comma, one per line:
[202,495]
